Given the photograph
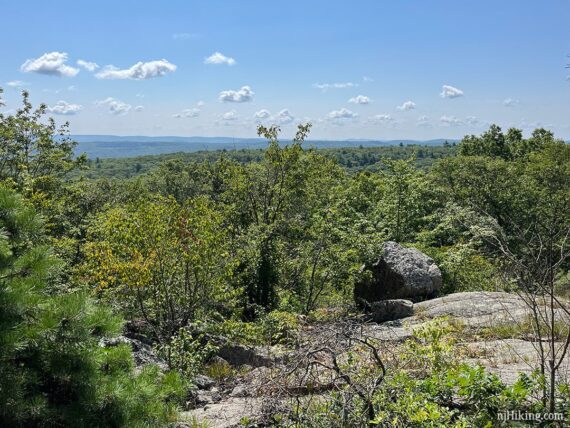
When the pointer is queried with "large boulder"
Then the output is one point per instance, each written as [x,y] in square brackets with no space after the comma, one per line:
[400,273]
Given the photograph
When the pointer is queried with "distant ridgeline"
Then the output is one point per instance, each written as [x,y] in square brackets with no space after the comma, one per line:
[111,146]
[125,157]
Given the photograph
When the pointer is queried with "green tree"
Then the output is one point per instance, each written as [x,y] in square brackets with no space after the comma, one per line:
[494,143]
[35,156]
[162,262]
[52,370]
[406,200]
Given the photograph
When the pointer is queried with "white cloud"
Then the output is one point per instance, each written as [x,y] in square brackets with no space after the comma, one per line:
[219,58]
[283,117]
[189,112]
[139,71]
[325,86]
[87,65]
[262,114]
[408,105]
[472,121]
[71,88]
[245,94]
[367,79]
[64,108]
[51,63]
[200,103]
[230,116]
[360,99]
[343,113]
[509,102]
[382,118]
[139,108]
[16,83]
[450,92]
[423,121]
[115,106]
[449,121]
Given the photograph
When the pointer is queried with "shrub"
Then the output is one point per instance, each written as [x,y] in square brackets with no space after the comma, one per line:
[52,370]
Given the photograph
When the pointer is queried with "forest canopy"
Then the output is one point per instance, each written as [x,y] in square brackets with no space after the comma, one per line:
[175,250]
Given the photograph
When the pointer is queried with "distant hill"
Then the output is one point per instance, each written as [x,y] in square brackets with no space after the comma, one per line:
[112,146]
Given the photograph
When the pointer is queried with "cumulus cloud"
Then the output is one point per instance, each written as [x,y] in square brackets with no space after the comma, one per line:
[472,121]
[139,71]
[262,114]
[189,113]
[139,108]
[219,58]
[51,63]
[115,106]
[367,79]
[87,65]
[382,118]
[423,121]
[509,102]
[16,83]
[65,108]
[408,105]
[200,103]
[325,86]
[343,113]
[450,92]
[360,99]
[243,95]
[230,116]
[284,117]
[449,121]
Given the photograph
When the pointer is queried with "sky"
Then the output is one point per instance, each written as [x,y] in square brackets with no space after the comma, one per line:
[354,69]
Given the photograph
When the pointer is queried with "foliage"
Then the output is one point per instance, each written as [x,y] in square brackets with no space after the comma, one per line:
[52,370]
[445,393]
[161,261]
[35,156]
[353,159]
[186,353]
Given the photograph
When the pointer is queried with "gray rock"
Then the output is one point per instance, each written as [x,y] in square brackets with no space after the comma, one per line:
[203,398]
[203,382]
[400,273]
[239,355]
[226,414]
[390,310]
[240,391]
[143,354]
[480,308]
[216,359]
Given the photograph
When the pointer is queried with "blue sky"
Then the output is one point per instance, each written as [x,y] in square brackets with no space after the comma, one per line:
[358,69]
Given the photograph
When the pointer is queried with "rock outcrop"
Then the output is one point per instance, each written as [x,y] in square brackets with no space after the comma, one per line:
[400,273]
[390,310]
[143,354]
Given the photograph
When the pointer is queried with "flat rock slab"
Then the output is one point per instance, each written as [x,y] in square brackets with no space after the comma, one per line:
[225,414]
[476,309]
[507,358]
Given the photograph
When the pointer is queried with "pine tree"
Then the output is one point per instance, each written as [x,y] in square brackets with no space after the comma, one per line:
[52,370]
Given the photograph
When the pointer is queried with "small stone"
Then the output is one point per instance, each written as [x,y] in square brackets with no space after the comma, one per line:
[203,381]
[240,391]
